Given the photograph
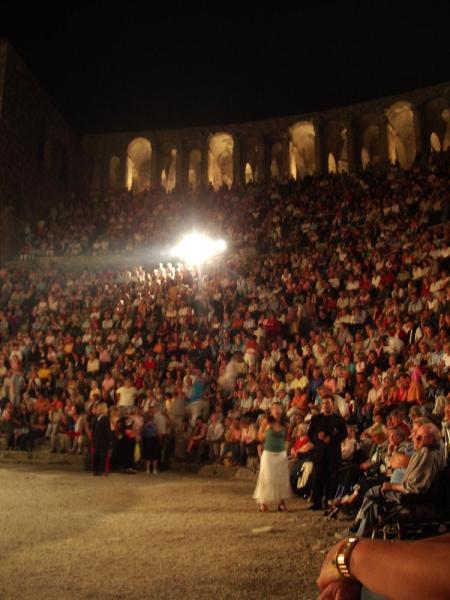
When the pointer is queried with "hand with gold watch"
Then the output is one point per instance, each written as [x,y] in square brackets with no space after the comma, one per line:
[399,570]
[342,558]
[332,582]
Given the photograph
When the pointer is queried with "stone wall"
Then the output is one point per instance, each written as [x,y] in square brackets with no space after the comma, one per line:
[345,138]
[40,156]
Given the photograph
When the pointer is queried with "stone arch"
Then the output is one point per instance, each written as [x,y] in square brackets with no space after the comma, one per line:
[220,160]
[302,153]
[336,145]
[370,149]
[248,173]
[294,160]
[401,137]
[332,166]
[139,158]
[113,177]
[435,142]
[433,122]
[195,170]
[169,171]
[365,157]
[276,160]
[250,156]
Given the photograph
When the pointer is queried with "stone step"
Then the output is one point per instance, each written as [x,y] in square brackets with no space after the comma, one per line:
[41,443]
[42,457]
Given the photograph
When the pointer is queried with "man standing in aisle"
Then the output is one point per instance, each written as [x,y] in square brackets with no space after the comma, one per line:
[327,430]
[101,439]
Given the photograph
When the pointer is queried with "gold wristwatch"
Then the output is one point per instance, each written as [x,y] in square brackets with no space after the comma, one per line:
[342,558]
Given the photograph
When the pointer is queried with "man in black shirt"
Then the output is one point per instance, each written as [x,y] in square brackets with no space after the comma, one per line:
[101,439]
[326,431]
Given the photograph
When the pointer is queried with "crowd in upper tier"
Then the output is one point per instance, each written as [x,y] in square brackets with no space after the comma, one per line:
[275,215]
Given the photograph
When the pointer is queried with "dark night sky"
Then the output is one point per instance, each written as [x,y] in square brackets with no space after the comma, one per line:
[143,65]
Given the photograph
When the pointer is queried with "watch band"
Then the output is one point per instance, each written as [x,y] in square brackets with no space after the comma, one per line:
[342,559]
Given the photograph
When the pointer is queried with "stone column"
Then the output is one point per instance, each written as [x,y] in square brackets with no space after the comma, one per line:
[155,177]
[204,170]
[260,163]
[319,148]
[267,143]
[419,133]
[244,158]
[122,171]
[353,152]
[182,168]
[383,136]
[285,142]
[237,180]
[187,157]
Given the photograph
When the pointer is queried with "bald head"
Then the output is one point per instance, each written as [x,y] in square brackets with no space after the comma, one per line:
[427,435]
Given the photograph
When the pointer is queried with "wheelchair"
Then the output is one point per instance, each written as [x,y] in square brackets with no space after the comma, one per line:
[417,516]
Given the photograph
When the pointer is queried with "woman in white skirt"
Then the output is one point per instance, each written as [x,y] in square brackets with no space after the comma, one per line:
[273,479]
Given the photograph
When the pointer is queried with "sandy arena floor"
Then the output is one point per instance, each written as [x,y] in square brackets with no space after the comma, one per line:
[67,535]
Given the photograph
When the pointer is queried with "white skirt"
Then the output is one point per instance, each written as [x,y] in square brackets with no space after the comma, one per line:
[273,479]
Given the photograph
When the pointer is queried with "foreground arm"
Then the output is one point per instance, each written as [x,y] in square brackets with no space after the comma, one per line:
[399,570]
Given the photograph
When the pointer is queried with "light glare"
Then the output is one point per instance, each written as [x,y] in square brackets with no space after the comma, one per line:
[195,248]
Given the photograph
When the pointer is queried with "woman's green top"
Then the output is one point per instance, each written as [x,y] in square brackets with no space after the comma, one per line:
[274,441]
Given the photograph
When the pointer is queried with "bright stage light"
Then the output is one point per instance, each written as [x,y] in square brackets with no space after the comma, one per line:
[195,248]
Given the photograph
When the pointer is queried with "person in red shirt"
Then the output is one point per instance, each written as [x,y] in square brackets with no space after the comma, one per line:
[42,405]
[149,363]
[271,325]
[300,401]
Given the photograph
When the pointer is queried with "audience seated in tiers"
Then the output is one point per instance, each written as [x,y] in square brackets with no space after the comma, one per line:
[335,287]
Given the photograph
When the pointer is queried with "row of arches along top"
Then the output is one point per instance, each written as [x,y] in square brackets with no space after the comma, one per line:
[401,148]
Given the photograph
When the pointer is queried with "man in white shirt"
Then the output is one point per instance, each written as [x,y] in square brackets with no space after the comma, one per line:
[300,380]
[267,363]
[213,439]
[126,394]
[374,395]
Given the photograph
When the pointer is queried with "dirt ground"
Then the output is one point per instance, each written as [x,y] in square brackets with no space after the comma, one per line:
[67,535]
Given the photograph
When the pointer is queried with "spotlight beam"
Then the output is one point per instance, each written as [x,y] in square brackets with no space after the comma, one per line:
[194,249]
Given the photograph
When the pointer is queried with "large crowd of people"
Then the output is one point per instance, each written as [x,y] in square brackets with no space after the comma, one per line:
[333,305]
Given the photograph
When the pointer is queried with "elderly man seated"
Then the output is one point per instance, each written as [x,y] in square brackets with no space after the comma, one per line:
[425,464]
